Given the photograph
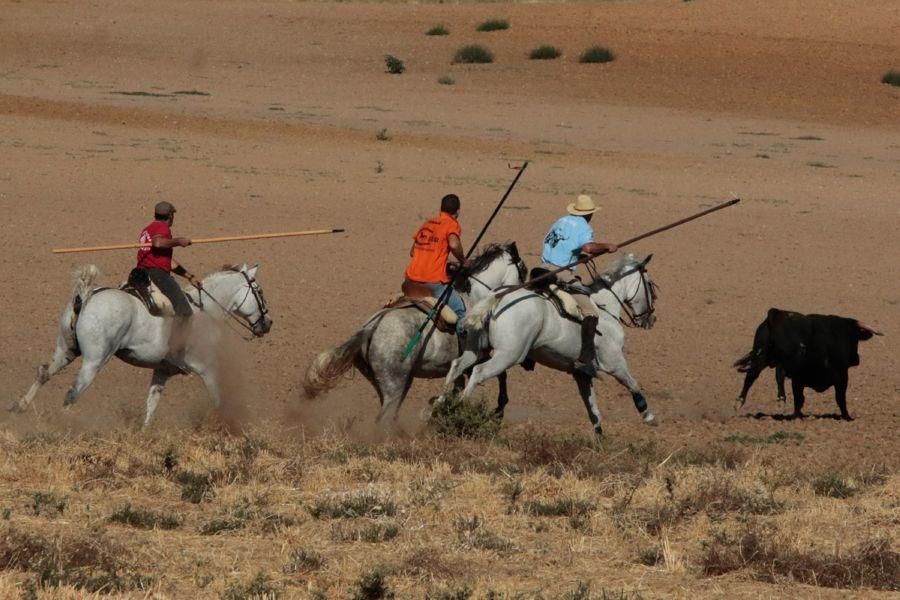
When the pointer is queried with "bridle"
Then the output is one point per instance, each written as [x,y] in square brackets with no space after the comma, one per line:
[514,260]
[634,319]
[252,288]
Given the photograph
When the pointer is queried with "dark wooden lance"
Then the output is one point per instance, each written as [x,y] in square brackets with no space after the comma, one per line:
[627,242]
[442,300]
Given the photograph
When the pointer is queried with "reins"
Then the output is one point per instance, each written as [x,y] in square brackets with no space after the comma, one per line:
[252,286]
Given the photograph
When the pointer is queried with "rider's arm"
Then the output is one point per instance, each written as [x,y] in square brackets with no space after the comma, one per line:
[411,248]
[164,242]
[181,271]
[456,248]
[594,248]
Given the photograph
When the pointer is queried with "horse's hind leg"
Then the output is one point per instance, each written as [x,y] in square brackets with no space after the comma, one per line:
[586,389]
[90,366]
[502,395]
[393,386]
[157,384]
[62,357]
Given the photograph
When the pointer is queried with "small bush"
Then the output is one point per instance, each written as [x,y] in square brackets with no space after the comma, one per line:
[833,486]
[562,507]
[473,534]
[465,418]
[891,78]
[393,64]
[473,54]
[145,519]
[303,561]
[372,532]
[597,54]
[544,53]
[48,504]
[195,487]
[450,593]
[258,588]
[438,30]
[373,586]
[650,556]
[383,136]
[446,80]
[494,25]
[364,504]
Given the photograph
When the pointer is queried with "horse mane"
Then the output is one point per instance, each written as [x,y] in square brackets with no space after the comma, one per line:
[481,262]
[235,268]
[613,273]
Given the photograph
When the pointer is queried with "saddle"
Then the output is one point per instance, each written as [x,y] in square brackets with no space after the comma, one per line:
[419,297]
[140,286]
[554,291]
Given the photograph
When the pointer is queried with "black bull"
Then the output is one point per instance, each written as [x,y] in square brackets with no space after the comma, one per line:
[814,351]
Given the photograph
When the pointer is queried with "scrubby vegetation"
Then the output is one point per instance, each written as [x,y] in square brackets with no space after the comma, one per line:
[597,54]
[473,54]
[891,78]
[494,25]
[438,30]
[459,512]
[545,53]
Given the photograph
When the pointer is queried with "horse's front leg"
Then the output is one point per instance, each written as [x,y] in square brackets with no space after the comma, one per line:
[586,389]
[62,357]
[452,381]
[157,384]
[619,370]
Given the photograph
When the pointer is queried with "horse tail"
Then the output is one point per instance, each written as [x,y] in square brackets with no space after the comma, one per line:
[478,317]
[745,363]
[84,277]
[326,368]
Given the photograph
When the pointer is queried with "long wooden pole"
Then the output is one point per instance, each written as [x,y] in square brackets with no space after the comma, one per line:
[213,240]
[585,259]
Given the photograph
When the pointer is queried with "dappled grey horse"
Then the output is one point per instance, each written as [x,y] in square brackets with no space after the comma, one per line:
[523,325]
[110,322]
[376,349]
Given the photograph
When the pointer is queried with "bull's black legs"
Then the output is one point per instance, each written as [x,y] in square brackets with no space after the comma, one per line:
[840,395]
[797,388]
[779,381]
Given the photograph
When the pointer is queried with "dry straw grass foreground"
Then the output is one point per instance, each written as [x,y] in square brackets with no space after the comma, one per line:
[530,514]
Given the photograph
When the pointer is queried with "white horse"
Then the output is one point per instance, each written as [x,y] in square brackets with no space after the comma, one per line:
[524,326]
[376,349]
[99,323]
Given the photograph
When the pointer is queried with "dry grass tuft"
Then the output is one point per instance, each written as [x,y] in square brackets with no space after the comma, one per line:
[870,563]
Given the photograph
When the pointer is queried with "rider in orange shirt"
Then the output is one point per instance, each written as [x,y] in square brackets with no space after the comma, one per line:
[433,243]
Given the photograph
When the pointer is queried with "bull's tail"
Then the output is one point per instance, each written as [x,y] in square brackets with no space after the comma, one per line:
[745,363]
[328,367]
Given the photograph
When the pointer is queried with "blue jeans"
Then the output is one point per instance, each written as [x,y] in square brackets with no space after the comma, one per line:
[455,303]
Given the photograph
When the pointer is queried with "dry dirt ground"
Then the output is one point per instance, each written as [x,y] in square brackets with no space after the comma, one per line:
[264,116]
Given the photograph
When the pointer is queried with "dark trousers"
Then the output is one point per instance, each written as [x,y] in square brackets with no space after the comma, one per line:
[167,285]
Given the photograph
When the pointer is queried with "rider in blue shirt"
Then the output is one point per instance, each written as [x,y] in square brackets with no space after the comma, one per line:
[568,239]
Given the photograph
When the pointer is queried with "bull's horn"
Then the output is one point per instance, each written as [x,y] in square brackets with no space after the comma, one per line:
[869,329]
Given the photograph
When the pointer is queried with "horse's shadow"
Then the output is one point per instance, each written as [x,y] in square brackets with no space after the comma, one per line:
[790,417]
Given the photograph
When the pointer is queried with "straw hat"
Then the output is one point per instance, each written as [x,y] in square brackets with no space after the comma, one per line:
[583,205]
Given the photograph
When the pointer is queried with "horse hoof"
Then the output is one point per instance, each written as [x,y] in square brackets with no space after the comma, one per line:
[650,419]
[16,407]
[598,431]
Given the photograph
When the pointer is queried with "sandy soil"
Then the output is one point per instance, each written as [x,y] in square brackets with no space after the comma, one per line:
[780,105]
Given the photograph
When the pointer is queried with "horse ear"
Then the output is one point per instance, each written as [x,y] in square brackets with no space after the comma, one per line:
[646,260]
[252,271]
[244,267]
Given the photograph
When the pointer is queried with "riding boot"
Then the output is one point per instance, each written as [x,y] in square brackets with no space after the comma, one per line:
[585,362]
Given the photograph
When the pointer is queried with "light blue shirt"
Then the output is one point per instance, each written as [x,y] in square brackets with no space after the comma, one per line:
[565,238]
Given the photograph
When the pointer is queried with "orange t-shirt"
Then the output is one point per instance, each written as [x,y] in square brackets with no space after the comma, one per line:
[431,249]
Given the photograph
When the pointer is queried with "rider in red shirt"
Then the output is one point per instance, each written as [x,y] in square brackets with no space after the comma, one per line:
[157,260]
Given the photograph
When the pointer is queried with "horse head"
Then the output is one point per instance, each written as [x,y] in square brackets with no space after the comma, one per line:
[631,285]
[495,266]
[237,291]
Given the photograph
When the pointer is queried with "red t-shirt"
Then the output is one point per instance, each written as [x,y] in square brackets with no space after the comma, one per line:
[431,249]
[161,258]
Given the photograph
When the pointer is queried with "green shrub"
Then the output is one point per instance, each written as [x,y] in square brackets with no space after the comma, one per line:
[545,53]
[258,588]
[446,80]
[494,25]
[393,64]
[833,486]
[891,78]
[372,532]
[145,519]
[597,54]
[438,30]
[462,417]
[364,504]
[473,54]
[373,586]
